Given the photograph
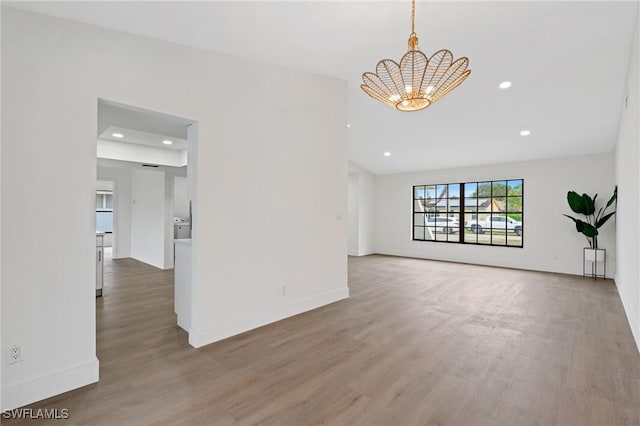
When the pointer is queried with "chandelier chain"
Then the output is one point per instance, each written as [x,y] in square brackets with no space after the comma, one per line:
[413,16]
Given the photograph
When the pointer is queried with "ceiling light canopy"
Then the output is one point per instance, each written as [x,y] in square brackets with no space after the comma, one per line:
[417,81]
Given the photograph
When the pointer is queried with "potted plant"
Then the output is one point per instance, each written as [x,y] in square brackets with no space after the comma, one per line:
[595,219]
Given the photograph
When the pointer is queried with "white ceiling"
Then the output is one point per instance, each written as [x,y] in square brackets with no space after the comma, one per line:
[140,127]
[143,138]
[126,116]
[567,62]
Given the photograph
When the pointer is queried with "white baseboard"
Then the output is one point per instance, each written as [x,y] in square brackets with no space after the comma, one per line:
[205,336]
[360,254]
[530,265]
[155,265]
[29,391]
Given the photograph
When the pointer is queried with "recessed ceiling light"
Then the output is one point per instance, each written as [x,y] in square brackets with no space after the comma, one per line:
[348,126]
[117,135]
[505,85]
[167,142]
[387,154]
[525,133]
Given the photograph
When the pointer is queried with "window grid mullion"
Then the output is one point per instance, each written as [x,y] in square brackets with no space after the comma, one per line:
[462,211]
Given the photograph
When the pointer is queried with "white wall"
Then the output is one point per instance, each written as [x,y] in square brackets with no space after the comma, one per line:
[104,185]
[148,217]
[259,165]
[2,348]
[121,178]
[627,159]
[180,197]
[362,210]
[366,213]
[167,222]
[551,242]
[352,203]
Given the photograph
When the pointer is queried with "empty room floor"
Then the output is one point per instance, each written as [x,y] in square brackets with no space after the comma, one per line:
[418,343]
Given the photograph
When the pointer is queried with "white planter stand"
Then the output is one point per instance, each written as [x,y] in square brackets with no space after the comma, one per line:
[593,262]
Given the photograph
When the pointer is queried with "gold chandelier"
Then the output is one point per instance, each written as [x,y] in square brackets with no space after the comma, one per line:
[416,82]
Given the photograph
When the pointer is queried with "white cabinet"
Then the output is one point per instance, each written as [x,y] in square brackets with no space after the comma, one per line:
[99,263]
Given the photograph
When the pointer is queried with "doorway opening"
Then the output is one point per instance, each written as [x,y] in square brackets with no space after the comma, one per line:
[145,155]
[145,188]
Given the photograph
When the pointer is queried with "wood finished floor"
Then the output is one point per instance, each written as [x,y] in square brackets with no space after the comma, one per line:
[418,343]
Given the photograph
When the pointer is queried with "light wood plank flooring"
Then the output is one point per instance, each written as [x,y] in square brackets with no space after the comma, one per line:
[418,343]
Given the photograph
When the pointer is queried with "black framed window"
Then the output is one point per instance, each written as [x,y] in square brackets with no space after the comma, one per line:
[484,213]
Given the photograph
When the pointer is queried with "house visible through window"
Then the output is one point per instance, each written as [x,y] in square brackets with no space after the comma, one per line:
[104,211]
[489,213]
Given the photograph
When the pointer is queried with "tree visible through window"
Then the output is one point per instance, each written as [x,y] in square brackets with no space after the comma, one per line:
[489,212]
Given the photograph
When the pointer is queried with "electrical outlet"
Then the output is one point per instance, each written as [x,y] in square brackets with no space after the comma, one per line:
[284,290]
[15,354]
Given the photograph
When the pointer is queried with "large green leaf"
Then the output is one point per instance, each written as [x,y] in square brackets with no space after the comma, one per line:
[604,219]
[576,202]
[584,227]
[588,229]
[589,204]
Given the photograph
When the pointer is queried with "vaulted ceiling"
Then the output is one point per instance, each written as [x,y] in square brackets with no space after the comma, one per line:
[567,62]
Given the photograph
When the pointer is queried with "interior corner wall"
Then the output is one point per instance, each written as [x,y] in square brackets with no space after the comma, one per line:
[627,161]
[362,183]
[270,223]
[121,209]
[551,242]
[269,202]
[148,217]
